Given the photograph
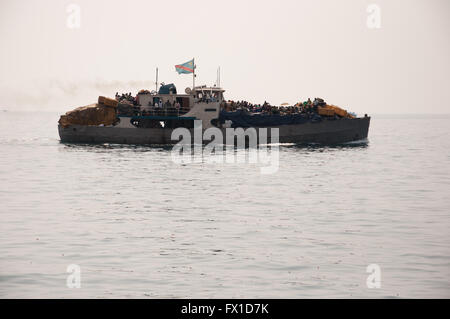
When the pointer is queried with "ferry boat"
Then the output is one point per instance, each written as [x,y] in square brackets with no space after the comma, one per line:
[158,114]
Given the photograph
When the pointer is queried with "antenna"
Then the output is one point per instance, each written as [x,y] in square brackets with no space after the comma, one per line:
[218,77]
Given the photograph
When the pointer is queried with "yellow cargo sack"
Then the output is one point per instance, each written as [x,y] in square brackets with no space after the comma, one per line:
[325,111]
[337,110]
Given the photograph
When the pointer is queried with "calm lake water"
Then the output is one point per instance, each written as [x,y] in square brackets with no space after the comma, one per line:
[141,226]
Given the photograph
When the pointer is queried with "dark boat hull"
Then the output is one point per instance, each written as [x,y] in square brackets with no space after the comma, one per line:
[323,132]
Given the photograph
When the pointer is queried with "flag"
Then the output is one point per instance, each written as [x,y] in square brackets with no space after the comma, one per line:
[185,68]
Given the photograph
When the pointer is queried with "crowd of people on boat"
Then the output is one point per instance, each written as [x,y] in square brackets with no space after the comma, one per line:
[266,108]
[304,107]
[130,105]
[126,97]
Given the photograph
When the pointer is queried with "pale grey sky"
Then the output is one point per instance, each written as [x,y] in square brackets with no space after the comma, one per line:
[279,51]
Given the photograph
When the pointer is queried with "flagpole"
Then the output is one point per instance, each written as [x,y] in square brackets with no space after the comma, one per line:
[156,80]
[193,75]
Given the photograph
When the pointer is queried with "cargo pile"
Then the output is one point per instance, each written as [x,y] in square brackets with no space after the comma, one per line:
[101,113]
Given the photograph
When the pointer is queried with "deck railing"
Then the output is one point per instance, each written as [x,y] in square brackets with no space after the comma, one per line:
[164,111]
[169,111]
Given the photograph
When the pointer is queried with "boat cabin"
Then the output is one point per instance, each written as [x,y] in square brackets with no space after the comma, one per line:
[171,109]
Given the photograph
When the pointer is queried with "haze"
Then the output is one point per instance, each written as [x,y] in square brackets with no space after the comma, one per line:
[279,51]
